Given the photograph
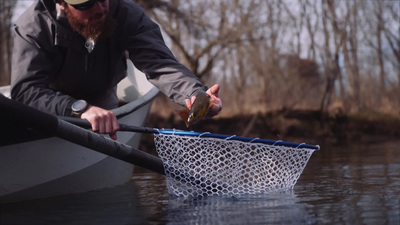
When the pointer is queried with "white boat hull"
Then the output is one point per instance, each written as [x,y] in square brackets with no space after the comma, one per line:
[52,166]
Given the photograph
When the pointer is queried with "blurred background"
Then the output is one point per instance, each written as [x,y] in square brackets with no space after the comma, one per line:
[279,63]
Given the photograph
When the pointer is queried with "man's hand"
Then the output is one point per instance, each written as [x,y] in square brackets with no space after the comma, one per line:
[103,121]
[217,102]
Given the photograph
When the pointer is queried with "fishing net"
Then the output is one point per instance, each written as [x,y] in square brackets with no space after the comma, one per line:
[203,165]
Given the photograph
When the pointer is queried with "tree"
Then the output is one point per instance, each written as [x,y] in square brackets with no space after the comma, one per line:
[273,54]
[196,39]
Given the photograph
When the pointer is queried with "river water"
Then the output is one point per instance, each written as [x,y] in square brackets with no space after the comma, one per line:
[352,184]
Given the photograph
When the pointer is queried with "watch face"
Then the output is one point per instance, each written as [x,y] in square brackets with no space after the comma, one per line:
[79,105]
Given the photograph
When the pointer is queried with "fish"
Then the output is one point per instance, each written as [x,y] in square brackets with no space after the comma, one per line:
[199,110]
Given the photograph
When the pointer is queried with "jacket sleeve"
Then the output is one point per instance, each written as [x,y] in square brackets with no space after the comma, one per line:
[34,65]
[149,53]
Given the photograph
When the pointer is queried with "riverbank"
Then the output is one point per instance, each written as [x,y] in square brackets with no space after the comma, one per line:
[310,127]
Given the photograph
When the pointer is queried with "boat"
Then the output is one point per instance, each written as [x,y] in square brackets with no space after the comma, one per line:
[34,165]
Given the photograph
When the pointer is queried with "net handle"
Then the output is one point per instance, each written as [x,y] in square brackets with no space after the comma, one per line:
[147,130]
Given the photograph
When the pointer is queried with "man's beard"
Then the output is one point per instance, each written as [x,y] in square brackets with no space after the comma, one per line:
[100,30]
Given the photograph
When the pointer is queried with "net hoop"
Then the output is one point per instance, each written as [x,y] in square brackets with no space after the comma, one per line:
[233,137]
[205,164]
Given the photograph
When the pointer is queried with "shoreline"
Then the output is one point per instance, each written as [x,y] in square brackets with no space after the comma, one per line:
[298,126]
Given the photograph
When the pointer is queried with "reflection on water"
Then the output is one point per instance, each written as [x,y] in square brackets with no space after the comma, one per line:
[357,184]
[256,209]
[117,205]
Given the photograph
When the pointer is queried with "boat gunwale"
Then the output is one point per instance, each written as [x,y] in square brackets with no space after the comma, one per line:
[136,104]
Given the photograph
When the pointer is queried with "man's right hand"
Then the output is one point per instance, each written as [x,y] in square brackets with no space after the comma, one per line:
[103,121]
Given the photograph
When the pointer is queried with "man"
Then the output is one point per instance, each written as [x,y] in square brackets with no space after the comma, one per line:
[69,56]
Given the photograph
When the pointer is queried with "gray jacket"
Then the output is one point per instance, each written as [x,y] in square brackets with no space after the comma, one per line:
[52,68]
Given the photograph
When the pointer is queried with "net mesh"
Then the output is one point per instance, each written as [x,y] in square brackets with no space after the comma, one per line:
[204,166]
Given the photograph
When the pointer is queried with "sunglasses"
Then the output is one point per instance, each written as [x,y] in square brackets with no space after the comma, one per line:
[86,5]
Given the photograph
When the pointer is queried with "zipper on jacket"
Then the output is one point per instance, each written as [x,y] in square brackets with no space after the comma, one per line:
[86,66]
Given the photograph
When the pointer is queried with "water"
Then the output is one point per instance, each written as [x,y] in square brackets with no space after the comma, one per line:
[355,184]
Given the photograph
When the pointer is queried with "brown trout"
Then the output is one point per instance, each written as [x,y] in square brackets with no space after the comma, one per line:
[199,109]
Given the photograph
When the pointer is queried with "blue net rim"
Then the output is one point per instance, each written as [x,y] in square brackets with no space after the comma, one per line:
[237,138]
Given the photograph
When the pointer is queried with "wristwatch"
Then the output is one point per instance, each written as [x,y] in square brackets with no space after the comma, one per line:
[79,107]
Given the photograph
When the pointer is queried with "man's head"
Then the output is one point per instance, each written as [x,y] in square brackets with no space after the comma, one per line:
[91,18]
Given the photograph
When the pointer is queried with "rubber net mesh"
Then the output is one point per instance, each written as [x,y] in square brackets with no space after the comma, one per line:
[199,166]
